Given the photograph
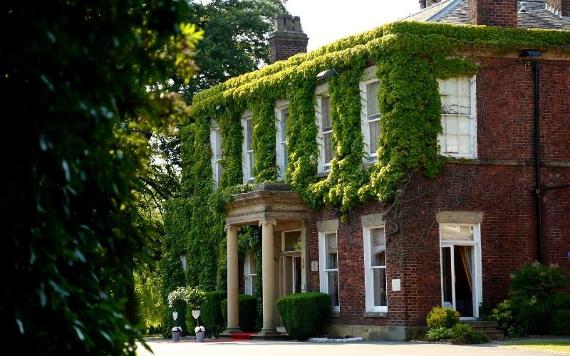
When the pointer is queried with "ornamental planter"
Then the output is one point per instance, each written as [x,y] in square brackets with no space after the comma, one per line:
[176,335]
[200,335]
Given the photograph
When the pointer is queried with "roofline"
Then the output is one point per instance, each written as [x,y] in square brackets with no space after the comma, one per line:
[452,5]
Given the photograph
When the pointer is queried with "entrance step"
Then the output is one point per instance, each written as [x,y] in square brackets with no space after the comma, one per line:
[489,328]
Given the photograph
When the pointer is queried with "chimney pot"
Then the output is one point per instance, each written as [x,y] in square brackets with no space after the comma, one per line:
[288,38]
[493,12]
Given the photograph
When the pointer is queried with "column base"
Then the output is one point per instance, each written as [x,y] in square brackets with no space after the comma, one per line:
[229,331]
[268,332]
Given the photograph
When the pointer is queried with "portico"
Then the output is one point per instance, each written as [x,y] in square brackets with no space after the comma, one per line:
[276,209]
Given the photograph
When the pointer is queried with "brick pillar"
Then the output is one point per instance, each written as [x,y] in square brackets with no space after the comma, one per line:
[493,12]
[288,38]
[560,7]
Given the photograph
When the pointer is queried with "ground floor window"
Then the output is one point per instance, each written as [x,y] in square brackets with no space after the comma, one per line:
[461,268]
[328,262]
[249,272]
[375,269]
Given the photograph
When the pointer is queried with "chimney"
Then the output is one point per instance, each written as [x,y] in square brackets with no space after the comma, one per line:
[559,7]
[493,12]
[288,38]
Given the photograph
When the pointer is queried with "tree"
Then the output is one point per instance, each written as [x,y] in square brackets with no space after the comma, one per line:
[80,78]
[234,42]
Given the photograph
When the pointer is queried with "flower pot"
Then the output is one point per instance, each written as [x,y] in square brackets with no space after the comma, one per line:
[176,336]
[200,335]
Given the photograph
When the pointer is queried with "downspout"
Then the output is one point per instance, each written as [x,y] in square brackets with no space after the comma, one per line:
[534,55]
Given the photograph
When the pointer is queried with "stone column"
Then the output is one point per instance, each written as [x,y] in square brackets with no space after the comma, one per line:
[233,279]
[268,276]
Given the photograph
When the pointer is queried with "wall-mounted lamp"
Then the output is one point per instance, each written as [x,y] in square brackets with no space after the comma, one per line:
[530,53]
[325,74]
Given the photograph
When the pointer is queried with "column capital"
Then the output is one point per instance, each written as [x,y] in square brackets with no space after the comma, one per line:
[229,227]
[267,222]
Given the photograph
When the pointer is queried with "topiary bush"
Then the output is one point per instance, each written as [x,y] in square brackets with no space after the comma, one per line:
[211,312]
[442,317]
[247,312]
[303,314]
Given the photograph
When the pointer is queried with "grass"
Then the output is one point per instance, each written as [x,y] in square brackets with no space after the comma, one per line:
[558,346]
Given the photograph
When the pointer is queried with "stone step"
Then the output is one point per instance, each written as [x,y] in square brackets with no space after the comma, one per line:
[481,323]
[489,328]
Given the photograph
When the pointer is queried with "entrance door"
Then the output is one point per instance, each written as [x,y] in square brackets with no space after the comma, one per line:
[290,263]
[460,269]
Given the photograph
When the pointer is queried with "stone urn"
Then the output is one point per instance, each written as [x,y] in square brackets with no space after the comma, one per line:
[200,335]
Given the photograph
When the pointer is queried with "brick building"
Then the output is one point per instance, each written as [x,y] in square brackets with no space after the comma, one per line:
[501,200]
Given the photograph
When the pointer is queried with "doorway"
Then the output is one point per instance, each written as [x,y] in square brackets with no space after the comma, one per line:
[460,269]
[290,263]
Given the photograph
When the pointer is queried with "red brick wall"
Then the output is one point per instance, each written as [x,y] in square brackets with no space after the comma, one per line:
[503,191]
[285,47]
[493,12]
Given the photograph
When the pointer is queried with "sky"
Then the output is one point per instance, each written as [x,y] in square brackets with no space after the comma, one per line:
[325,21]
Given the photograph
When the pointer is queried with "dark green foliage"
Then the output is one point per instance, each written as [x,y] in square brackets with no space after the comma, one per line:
[536,305]
[304,314]
[247,312]
[442,317]
[76,75]
[457,334]
[265,169]
[211,312]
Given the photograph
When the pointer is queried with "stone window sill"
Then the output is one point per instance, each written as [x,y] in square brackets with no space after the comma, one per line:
[334,314]
[376,314]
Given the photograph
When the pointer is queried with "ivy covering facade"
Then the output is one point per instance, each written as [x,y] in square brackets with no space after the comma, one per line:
[409,58]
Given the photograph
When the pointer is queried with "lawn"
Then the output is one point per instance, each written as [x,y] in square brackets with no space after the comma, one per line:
[558,346]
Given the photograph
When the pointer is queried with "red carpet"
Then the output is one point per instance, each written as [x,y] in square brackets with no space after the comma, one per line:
[242,336]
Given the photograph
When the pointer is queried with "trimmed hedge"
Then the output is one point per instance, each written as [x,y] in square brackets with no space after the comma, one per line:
[303,314]
[211,312]
[247,312]
[442,317]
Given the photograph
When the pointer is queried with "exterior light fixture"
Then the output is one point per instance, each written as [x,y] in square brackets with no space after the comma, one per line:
[326,74]
[530,53]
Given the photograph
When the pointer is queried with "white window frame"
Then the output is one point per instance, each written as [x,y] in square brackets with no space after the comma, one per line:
[248,274]
[472,123]
[324,287]
[323,166]
[215,135]
[281,143]
[477,261]
[248,156]
[368,276]
[368,76]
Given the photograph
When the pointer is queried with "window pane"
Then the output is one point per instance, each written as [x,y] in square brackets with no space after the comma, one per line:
[374,129]
[457,232]
[284,148]
[284,114]
[331,251]
[463,125]
[372,99]
[451,144]
[249,135]
[251,158]
[451,125]
[328,146]
[218,148]
[379,258]
[464,144]
[379,281]
[332,279]
[292,240]
[325,113]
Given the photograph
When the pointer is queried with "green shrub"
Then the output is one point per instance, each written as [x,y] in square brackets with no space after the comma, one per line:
[464,334]
[247,312]
[303,314]
[535,305]
[439,333]
[442,317]
[211,314]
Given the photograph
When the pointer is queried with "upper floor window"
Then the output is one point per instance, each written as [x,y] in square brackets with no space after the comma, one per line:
[248,153]
[458,117]
[375,269]
[216,145]
[370,118]
[326,133]
[281,114]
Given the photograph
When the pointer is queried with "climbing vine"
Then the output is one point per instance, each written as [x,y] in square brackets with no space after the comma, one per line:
[409,56]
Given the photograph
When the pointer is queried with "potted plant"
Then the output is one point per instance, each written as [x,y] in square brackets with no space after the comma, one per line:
[200,333]
[176,333]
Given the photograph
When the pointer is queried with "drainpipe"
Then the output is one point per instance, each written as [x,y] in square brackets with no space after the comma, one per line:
[533,55]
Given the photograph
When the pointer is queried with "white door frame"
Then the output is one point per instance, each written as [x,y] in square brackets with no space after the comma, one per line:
[477,291]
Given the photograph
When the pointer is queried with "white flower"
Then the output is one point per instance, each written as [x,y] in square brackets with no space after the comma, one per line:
[177,328]
[199,328]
